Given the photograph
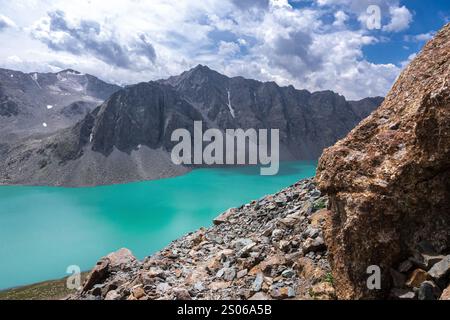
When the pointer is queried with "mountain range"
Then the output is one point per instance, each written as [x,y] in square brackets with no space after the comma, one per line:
[72,129]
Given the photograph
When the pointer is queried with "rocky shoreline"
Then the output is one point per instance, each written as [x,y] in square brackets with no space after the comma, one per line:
[272,248]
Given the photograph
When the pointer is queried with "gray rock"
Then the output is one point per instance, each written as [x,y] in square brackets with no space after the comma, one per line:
[229,274]
[428,291]
[257,284]
[242,274]
[199,286]
[163,287]
[402,294]
[277,234]
[405,266]
[112,295]
[288,273]
[181,294]
[313,245]
[441,269]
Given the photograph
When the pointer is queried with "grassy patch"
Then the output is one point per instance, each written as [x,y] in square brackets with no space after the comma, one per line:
[320,204]
[329,278]
[48,290]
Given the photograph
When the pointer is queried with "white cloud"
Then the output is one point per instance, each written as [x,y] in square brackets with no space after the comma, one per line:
[340,17]
[228,48]
[401,18]
[146,40]
[6,22]
[420,37]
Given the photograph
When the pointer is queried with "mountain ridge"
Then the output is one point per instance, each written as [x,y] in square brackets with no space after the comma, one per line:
[135,124]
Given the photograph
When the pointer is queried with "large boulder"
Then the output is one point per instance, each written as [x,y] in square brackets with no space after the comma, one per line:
[389,180]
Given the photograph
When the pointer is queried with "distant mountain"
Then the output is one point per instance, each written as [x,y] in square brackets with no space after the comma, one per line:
[39,103]
[127,138]
[308,122]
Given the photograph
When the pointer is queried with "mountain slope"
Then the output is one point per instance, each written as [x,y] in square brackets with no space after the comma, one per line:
[127,138]
[30,100]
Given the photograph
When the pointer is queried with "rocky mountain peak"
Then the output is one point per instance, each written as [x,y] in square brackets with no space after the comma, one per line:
[389,179]
[141,115]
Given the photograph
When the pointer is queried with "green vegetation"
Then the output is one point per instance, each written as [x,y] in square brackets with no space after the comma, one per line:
[329,278]
[320,204]
[48,290]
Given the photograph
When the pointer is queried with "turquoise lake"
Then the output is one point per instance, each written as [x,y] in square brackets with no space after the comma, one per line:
[43,230]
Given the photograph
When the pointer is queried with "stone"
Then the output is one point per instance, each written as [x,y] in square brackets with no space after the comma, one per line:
[244,252]
[416,278]
[121,259]
[284,245]
[428,291]
[181,294]
[313,245]
[282,293]
[138,292]
[112,295]
[257,284]
[445,294]
[322,291]
[441,269]
[426,260]
[307,208]
[259,296]
[319,217]
[288,273]
[97,275]
[271,262]
[398,279]
[163,287]
[402,294]
[277,234]
[156,272]
[199,286]
[229,274]
[219,285]
[390,189]
[242,243]
[311,232]
[242,273]
[224,217]
[405,266]
[290,221]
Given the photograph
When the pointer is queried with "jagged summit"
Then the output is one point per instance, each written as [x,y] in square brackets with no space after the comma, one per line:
[130,132]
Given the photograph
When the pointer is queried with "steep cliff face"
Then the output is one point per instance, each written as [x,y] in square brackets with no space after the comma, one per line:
[308,122]
[144,114]
[389,180]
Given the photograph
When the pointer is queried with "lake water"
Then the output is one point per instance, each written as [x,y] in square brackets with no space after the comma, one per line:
[43,230]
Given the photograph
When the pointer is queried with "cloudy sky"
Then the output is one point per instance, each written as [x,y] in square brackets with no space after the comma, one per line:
[312,44]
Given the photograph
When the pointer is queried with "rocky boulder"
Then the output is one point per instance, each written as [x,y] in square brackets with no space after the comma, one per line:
[388,181]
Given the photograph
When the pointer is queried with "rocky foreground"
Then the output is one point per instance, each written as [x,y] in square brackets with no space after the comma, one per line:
[272,248]
[388,181]
[269,249]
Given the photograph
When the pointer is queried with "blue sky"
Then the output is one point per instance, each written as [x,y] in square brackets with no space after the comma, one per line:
[311,44]
[429,16]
